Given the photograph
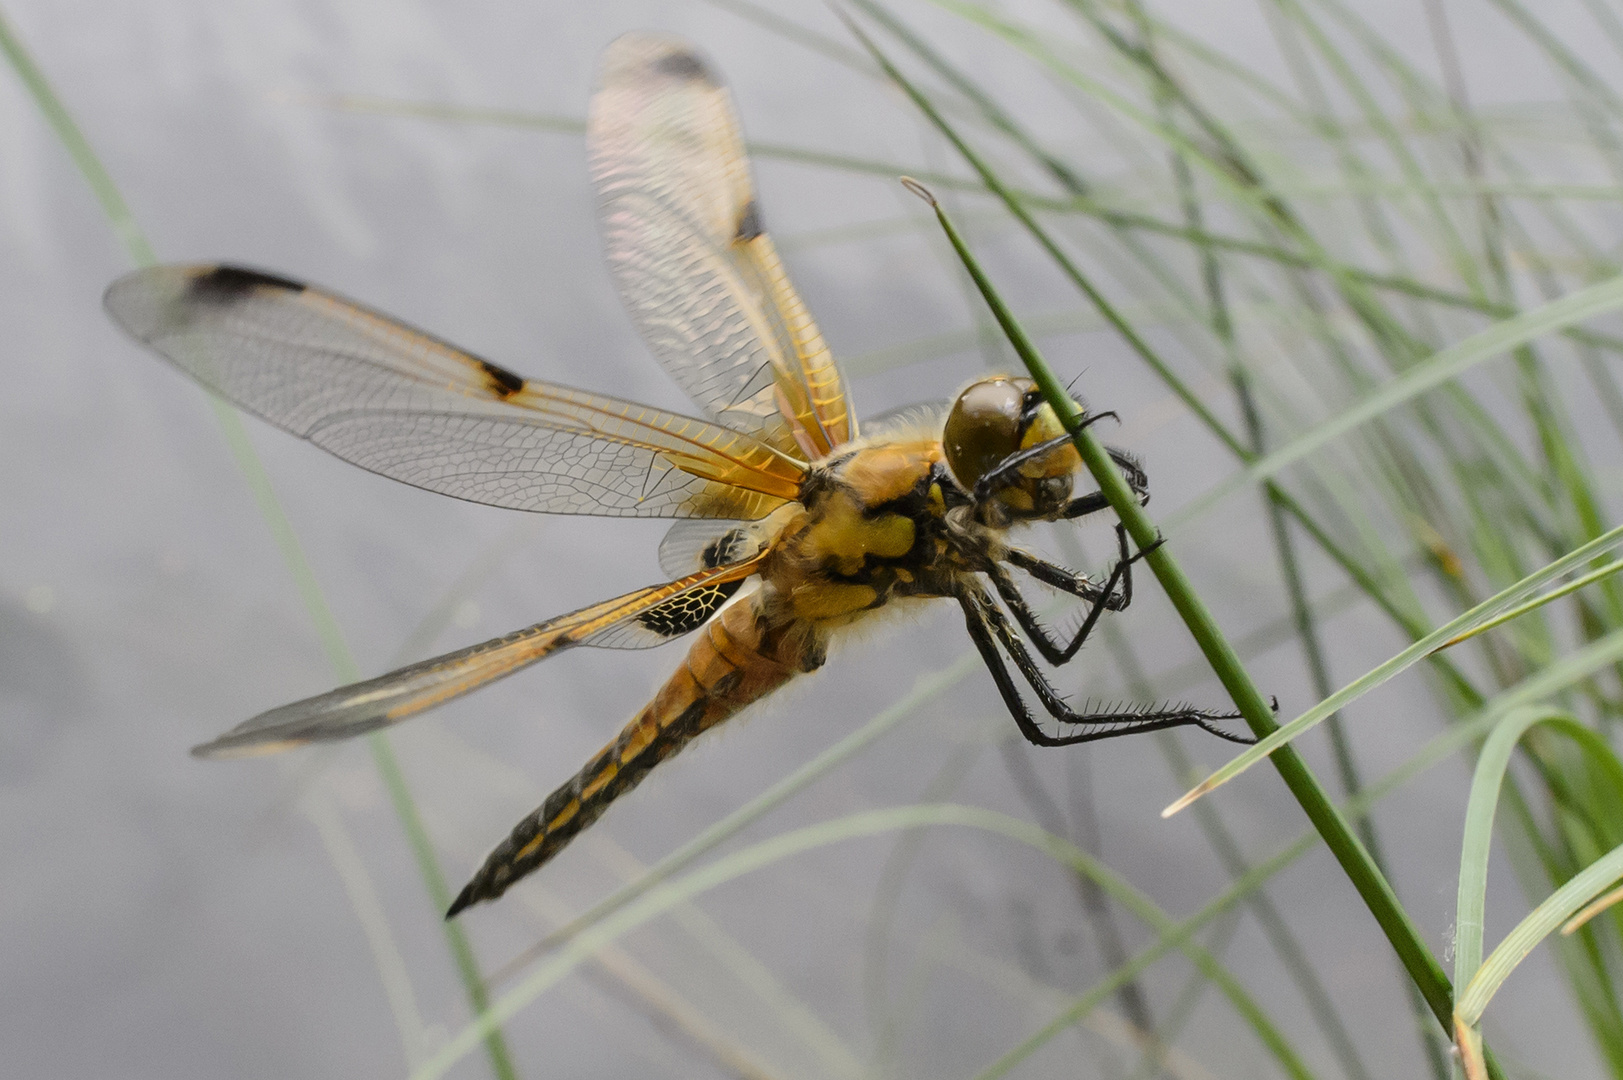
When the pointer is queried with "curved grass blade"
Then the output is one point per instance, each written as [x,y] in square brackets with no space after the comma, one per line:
[1383,673]
[1488,777]
[1595,907]
[78,147]
[1440,748]
[1471,903]
[855,826]
[1537,602]
[1543,921]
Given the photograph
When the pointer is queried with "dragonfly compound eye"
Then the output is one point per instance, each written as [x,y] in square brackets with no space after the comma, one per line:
[984,427]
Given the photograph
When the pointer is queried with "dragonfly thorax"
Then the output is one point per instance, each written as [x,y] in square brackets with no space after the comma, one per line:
[870,526]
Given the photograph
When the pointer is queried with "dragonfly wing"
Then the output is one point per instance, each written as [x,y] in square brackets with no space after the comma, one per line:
[403,403]
[684,241]
[641,619]
[696,544]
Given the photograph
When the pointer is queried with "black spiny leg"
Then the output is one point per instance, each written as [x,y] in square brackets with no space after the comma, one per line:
[1100,600]
[1132,472]
[989,629]
[1083,505]
[1095,501]
[1080,585]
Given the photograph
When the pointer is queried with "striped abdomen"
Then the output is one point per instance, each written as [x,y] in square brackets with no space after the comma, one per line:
[726,669]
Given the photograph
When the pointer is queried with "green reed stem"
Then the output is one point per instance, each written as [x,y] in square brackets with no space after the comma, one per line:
[1328,821]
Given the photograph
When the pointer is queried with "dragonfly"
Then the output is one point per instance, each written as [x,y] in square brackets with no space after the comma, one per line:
[774,488]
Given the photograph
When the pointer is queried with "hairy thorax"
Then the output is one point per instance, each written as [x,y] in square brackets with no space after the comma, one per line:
[870,527]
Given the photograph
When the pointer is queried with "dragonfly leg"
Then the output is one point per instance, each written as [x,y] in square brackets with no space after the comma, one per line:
[993,635]
[1100,600]
[1083,505]
[1132,471]
[1080,585]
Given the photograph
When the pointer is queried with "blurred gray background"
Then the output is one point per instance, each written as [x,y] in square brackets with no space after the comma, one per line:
[164,917]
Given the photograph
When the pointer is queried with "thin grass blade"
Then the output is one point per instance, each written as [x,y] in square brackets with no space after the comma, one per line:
[869,823]
[1404,660]
[1441,367]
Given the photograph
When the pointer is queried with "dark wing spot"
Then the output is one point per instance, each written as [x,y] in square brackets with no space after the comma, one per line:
[749,223]
[503,382]
[686,612]
[684,65]
[225,284]
[724,549]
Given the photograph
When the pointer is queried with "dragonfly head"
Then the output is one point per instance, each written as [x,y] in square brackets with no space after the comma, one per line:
[995,419]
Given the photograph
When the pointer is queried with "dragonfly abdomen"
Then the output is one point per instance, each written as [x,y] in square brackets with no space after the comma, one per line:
[728,667]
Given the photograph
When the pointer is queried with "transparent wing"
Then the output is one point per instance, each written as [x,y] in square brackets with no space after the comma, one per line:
[686,247]
[697,545]
[640,619]
[399,402]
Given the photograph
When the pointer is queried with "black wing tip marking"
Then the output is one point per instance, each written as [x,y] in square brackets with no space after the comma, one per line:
[157,299]
[685,64]
[749,223]
[503,383]
[226,284]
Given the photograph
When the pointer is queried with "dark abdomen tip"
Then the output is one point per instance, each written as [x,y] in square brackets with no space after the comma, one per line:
[464,899]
